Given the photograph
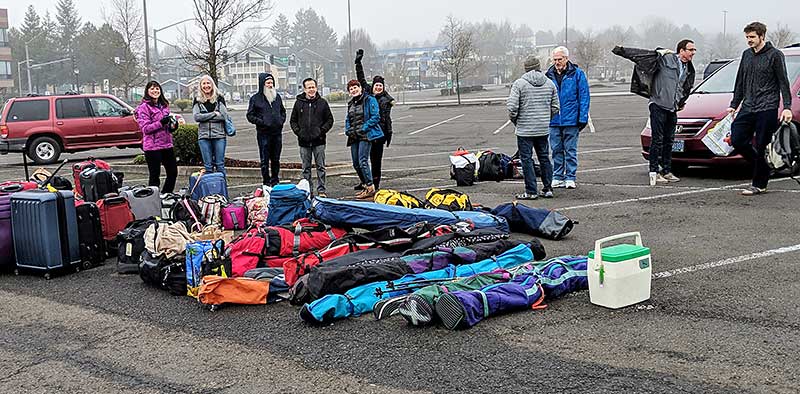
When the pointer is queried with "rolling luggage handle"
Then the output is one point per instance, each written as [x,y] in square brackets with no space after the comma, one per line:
[197,181]
[143,192]
[598,259]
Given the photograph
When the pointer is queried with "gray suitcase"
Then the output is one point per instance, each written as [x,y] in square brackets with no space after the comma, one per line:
[145,201]
[45,231]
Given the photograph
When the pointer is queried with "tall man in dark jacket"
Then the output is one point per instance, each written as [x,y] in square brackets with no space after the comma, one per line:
[665,78]
[267,112]
[311,120]
[760,82]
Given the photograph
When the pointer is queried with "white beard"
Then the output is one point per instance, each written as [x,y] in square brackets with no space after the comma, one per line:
[270,94]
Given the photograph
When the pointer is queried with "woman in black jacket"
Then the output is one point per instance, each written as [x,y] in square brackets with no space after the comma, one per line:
[385,104]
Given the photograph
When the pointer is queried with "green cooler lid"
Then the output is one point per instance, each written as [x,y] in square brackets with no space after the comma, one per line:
[621,252]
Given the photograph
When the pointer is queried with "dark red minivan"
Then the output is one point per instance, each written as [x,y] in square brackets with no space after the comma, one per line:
[46,126]
[707,105]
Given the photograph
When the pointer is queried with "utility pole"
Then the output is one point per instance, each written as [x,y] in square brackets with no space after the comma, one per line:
[349,34]
[146,41]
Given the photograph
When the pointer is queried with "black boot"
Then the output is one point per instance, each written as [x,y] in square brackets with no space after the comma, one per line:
[360,186]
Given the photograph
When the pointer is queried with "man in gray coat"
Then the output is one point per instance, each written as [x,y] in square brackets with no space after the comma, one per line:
[532,103]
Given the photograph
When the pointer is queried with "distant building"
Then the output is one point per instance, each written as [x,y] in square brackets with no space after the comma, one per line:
[6,76]
[411,65]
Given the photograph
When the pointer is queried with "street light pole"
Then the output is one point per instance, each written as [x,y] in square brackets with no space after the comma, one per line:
[724,24]
[146,41]
[349,32]
[28,67]
[566,23]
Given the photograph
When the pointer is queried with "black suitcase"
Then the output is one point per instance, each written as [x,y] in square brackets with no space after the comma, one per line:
[90,235]
[97,183]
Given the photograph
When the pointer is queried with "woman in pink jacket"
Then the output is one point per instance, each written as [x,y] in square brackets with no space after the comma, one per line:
[153,118]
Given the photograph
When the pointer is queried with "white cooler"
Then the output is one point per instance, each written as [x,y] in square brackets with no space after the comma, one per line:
[619,275]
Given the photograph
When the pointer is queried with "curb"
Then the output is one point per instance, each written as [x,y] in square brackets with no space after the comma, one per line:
[238,173]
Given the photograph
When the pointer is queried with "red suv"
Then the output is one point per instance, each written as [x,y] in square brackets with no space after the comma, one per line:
[46,126]
[707,105]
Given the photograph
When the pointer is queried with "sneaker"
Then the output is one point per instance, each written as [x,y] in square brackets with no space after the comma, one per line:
[547,193]
[752,191]
[367,194]
[570,184]
[660,179]
[526,196]
[322,194]
[451,312]
[358,187]
[671,178]
[388,306]
[416,310]
[557,184]
[653,178]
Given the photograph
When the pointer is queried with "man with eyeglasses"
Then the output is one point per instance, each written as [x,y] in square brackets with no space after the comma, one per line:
[668,80]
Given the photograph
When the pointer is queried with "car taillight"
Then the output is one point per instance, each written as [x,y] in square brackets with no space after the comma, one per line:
[3,131]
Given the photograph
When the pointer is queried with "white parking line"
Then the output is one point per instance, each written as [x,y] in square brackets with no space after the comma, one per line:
[607,150]
[612,168]
[402,117]
[728,261]
[435,124]
[660,196]
[508,122]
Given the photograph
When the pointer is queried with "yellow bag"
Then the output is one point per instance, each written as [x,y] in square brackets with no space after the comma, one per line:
[447,199]
[394,197]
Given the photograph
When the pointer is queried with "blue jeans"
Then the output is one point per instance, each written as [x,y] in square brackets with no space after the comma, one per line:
[359,153]
[564,143]
[213,152]
[526,145]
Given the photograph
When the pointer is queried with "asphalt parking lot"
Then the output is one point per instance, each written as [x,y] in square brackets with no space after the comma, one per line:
[723,316]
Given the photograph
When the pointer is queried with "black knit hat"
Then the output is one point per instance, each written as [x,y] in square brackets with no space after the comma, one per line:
[378,79]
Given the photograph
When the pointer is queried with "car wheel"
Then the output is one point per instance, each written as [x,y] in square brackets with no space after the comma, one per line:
[44,150]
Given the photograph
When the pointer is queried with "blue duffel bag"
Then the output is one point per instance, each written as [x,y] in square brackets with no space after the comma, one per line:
[287,203]
[373,216]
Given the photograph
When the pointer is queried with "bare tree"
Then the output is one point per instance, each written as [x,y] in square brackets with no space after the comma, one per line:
[782,36]
[459,55]
[588,51]
[217,21]
[125,17]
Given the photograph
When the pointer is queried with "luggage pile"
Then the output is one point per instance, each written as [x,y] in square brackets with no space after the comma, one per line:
[442,258]
[466,168]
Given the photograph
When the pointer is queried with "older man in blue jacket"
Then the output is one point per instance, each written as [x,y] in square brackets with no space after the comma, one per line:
[573,94]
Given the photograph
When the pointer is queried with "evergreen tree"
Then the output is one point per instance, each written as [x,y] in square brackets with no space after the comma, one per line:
[68,25]
[282,31]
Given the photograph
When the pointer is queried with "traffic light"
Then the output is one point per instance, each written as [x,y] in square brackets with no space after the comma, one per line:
[271,59]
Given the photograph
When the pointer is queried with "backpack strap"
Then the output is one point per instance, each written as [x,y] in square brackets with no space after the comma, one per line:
[188,207]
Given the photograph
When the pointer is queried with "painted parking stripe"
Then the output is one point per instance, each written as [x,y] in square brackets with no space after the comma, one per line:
[435,124]
[728,261]
[499,129]
[612,168]
[660,196]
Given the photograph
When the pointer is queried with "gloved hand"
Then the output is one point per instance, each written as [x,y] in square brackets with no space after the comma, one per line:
[581,126]
[359,55]
[388,139]
[165,120]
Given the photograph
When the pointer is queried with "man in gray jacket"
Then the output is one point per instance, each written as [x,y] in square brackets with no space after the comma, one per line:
[532,103]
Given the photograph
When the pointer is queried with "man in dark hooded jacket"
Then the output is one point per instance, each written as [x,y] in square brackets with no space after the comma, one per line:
[311,120]
[267,113]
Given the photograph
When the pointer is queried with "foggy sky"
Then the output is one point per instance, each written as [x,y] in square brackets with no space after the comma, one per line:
[418,20]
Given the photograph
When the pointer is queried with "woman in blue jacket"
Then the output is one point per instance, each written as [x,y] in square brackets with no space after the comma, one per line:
[362,127]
